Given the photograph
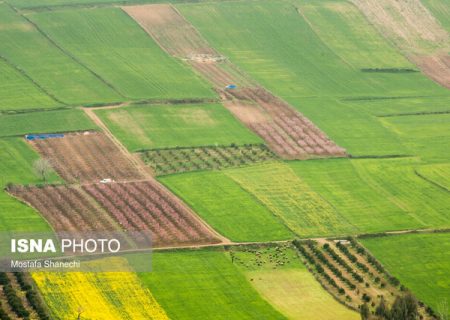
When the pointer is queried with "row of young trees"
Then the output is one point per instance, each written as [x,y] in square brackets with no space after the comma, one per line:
[15,302]
[404,307]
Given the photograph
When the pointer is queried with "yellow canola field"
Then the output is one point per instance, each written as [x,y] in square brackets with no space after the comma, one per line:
[108,295]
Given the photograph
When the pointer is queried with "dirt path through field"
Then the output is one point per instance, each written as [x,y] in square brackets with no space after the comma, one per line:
[286,131]
[411,27]
[134,158]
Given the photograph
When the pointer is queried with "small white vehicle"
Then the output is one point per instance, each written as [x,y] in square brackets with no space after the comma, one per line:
[106,180]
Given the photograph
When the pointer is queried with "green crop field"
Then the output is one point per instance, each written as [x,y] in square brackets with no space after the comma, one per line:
[150,127]
[420,261]
[44,122]
[18,92]
[16,160]
[25,47]
[302,209]
[204,285]
[403,106]
[427,136]
[224,205]
[111,44]
[437,173]
[288,285]
[350,186]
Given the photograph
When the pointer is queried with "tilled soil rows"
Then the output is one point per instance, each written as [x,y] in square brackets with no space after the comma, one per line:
[287,132]
[132,207]
[413,29]
[87,157]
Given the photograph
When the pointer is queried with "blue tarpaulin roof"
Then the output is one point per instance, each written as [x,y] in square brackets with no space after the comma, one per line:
[43,136]
[231,86]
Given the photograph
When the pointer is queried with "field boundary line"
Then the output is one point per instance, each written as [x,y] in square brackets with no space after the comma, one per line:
[34,82]
[67,53]
[423,113]
[357,236]
[310,25]
[431,181]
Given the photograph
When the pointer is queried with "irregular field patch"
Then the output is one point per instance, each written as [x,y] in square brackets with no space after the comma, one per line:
[178,160]
[44,122]
[420,261]
[282,279]
[287,196]
[223,204]
[86,157]
[287,132]
[113,295]
[25,47]
[204,285]
[167,126]
[111,44]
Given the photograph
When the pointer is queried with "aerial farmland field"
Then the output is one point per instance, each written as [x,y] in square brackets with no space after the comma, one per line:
[169,126]
[420,261]
[290,159]
[107,37]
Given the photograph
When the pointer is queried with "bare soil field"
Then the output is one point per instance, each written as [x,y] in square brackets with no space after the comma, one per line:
[133,207]
[170,30]
[436,66]
[287,132]
[87,157]
[413,29]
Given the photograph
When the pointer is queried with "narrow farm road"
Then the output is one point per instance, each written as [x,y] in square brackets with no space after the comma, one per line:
[135,160]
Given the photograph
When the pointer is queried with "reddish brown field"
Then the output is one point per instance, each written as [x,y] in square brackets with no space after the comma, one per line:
[287,132]
[148,206]
[413,29]
[133,207]
[81,158]
[437,67]
[66,208]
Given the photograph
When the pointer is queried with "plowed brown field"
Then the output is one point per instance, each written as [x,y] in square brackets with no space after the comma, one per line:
[133,207]
[87,157]
[413,29]
[286,131]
